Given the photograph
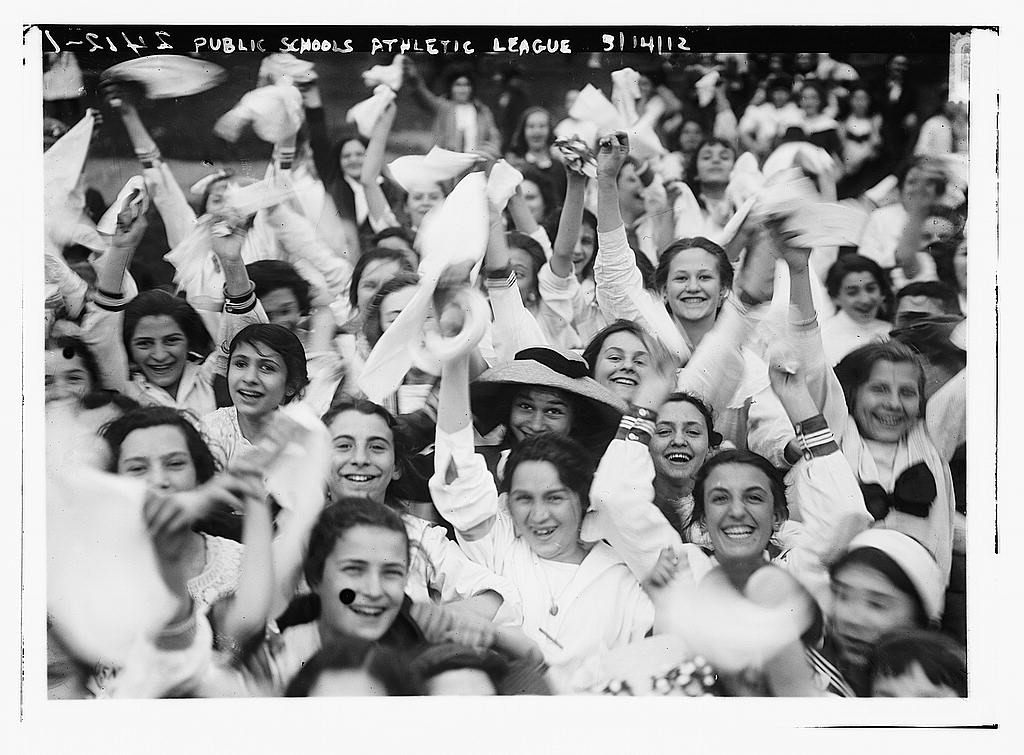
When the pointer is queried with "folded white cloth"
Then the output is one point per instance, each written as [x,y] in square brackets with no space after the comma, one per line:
[591,105]
[65,221]
[365,114]
[108,223]
[165,76]
[297,474]
[389,75]
[274,112]
[502,183]
[104,588]
[705,87]
[437,166]
[284,65]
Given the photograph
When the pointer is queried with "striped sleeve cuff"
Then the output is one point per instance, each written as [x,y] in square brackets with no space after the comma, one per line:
[503,277]
[240,305]
[109,301]
[815,437]
[637,425]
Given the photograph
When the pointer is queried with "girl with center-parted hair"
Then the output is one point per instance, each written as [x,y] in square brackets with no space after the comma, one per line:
[266,369]
[172,357]
[740,504]
[863,299]
[578,600]
[358,564]
[188,498]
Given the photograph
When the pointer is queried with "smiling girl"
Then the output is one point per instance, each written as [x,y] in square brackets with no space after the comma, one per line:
[862,296]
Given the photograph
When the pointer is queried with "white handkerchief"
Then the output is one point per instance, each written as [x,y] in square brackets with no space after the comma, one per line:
[297,477]
[108,223]
[827,224]
[705,87]
[104,588]
[274,112]
[502,183]
[786,155]
[437,166]
[248,199]
[591,105]
[625,93]
[280,65]
[199,187]
[365,114]
[389,75]
[745,180]
[166,76]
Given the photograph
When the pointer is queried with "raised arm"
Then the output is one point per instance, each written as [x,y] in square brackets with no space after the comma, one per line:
[419,89]
[381,215]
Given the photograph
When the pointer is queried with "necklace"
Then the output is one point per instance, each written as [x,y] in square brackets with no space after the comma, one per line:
[553,609]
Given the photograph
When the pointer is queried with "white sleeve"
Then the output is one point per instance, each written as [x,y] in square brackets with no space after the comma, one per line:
[562,295]
[622,509]
[513,328]
[541,237]
[174,209]
[298,236]
[946,415]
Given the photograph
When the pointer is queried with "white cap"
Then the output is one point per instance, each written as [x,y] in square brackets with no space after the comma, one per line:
[915,561]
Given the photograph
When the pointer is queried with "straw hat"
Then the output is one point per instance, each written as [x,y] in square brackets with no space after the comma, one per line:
[546,367]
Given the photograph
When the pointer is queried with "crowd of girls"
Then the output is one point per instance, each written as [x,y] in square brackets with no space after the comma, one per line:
[677,421]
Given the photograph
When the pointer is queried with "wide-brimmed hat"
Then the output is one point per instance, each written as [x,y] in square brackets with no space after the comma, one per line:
[546,367]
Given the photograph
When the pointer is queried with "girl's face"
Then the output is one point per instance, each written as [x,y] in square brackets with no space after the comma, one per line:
[522,263]
[739,511]
[917,180]
[586,245]
[215,198]
[540,410]
[546,514]
[363,460]
[690,137]
[622,363]
[866,605]
[282,308]
[810,101]
[462,90]
[159,347]
[351,158]
[913,682]
[159,456]
[694,287]
[374,563]
[66,378]
[421,200]
[780,96]
[859,297]
[375,274]
[680,443]
[391,306]
[534,199]
[960,265]
[461,681]
[714,164]
[860,102]
[536,130]
[889,402]
[257,379]
[937,229]
[631,191]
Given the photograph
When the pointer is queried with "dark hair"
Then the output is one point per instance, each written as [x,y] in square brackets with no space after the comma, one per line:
[593,349]
[725,271]
[117,430]
[377,254]
[646,268]
[271,275]
[76,253]
[530,245]
[450,656]
[569,458]
[714,437]
[337,518]
[359,405]
[820,89]
[162,304]
[855,368]
[72,346]
[737,456]
[881,562]
[943,293]
[943,252]
[544,186]
[691,177]
[372,327]
[456,72]
[285,343]
[778,81]
[919,162]
[517,144]
[943,661]
[395,231]
[336,149]
[856,263]
[386,665]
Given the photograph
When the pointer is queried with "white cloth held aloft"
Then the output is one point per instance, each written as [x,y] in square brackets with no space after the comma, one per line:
[165,76]
[365,114]
[389,75]
[502,183]
[108,223]
[298,474]
[437,166]
[284,65]
[274,112]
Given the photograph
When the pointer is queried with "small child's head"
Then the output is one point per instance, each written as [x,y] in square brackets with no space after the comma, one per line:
[917,663]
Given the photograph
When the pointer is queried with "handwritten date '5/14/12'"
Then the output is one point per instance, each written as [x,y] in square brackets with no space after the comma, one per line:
[91,42]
